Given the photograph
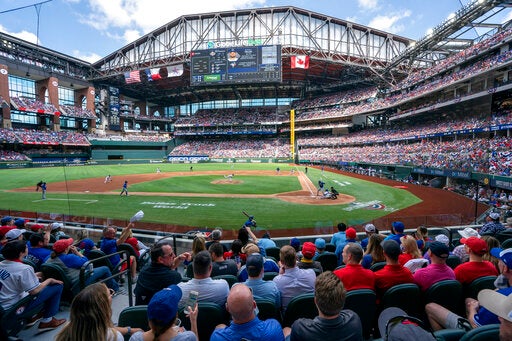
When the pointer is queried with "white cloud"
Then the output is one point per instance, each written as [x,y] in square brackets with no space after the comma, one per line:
[131,35]
[25,35]
[138,17]
[368,4]
[391,22]
[91,57]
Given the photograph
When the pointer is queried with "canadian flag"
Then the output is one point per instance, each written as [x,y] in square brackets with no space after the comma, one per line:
[300,62]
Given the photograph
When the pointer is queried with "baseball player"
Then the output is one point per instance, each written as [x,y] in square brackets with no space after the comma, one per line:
[320,187]
[108,179]
[125,188]
[250,222]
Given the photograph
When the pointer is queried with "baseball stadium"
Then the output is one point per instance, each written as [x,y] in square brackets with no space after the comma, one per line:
[292,119]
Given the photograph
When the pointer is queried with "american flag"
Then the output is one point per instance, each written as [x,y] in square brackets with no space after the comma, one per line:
[132,77]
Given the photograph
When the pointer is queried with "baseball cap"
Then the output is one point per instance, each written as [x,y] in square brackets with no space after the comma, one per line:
[62,244]
[36,227]
[496,303]
[20,222]
[254,263]
[398,226]
[504,255]
[295,242]
[308,250]
[469,232]
[439,249]
[320,243]
[442,239]
[14,233]
[494,215]
[351,233]
[57,226]
[216,234]
[391,248]
[164,304]
[370,228]
[5,220]
[395,325]
[477,245]
[5,229]
[86,244]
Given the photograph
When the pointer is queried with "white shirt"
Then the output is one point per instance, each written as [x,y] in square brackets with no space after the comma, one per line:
[16,280]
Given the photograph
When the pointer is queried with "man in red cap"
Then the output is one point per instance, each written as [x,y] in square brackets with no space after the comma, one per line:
[476,267]
[351,236]
[307,262]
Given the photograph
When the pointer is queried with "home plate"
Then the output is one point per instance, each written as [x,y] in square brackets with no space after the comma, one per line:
[86,191]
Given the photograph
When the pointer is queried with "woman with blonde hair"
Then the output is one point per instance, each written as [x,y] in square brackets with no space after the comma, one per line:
[374,253]
[409,249]
[492,243]
[198,245]
[90,317]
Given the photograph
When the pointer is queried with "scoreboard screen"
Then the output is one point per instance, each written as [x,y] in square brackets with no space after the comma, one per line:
[235,65]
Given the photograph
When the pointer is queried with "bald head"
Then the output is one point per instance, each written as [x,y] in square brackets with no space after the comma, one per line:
[240,304]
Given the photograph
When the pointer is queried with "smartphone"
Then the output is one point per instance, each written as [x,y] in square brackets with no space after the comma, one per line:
[192,300]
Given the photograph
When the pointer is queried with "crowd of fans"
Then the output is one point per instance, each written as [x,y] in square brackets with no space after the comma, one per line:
[130,137]
[267,148]
[233,116]
[73,111]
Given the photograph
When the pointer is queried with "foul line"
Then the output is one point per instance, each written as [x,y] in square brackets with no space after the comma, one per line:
[86,201]
[308,184]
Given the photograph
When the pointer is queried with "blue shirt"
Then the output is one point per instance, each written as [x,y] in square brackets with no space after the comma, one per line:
[109,246]
[484,317]
[266,290]
[338,237]
[395,237]
[254,330]
[38,255]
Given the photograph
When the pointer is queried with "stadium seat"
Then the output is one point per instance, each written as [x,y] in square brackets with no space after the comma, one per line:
[406,296]
[231,279]
[272,252]
[268,309]
[31,263]
[269,275]
[104,261]
[70,290]
[209,316]
[504,235]
[507,244]
[329,261]
[454,334]
[300,306]
[447,293]
[141,260]
[135,317]
[473,288]
[485,333]
[14,319]
[377,266]
[364,303]
[330,247]
[453,261]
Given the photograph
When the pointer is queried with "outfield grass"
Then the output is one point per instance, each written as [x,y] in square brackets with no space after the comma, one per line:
[270,213]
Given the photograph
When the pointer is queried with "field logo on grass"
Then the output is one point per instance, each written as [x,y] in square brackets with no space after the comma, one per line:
[175,205]
[342,183]
[369,205]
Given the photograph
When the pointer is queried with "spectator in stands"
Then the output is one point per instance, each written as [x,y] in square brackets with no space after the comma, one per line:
[320,247]
[86,245]
[438,270]
[216,237]
[476,267]
[162,314]
[410,249]
[353,275]
[19,280]
[268,266]
[374,253]
[66,256]
[261,289]
[307,262]
[369,229]
[15,234]
[291,280]
[159,273]
[198,245]
[90,317]
[236,253]
[245,324]
[220,266]
[500,305]
[38,250]
[397,232]
[109,245]
[351,237]
[492,225]
[265,242]
[491,244]
[7,221]
[295,243]
[460,250]
[477,316]
[332,319]
[57,230]
[211,290]
[393,273]
[339,237]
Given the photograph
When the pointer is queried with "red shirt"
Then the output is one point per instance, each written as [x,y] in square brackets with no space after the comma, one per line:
[469,271]
[354,276]
[391,275]
[404,258]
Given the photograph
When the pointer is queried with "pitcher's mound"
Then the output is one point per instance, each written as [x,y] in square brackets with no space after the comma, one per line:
[227,182]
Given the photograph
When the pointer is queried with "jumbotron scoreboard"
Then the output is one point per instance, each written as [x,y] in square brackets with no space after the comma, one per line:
[235,65]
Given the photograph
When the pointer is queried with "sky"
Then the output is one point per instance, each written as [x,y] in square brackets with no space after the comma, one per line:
[92,29]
